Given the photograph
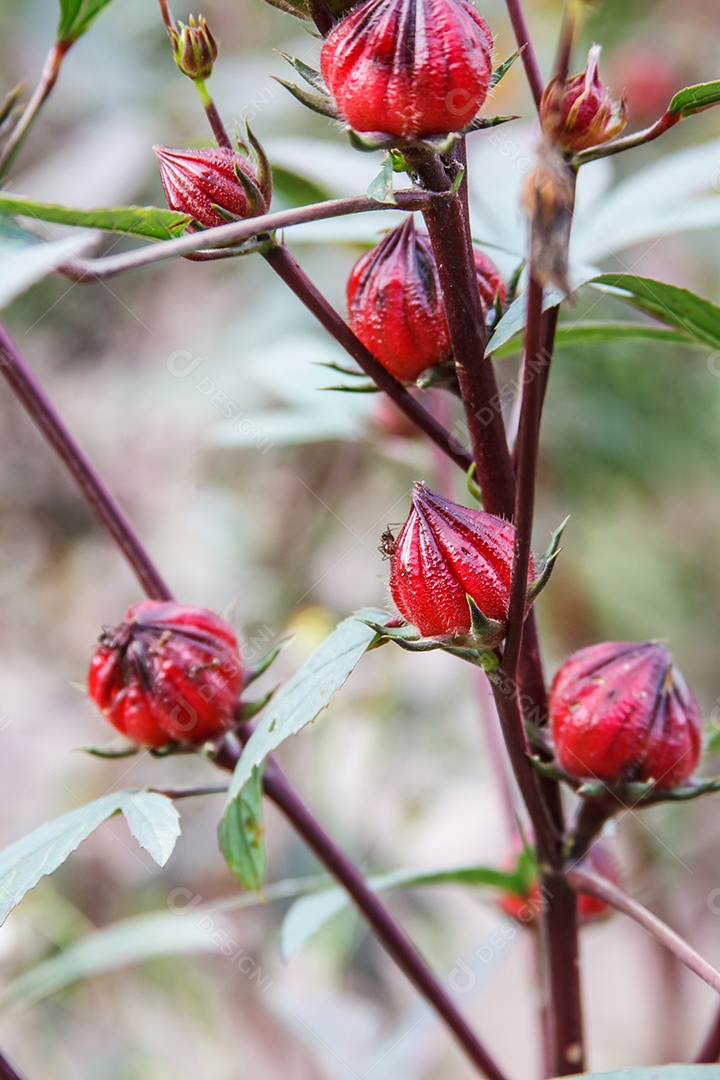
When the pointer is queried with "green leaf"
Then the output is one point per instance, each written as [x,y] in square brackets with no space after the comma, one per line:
[601,333]
[319,103]
[24,259]
[151,818]
[684,310]
[694,98]
[307,693]
[306,917]
[153,222]
[154,822]
[241,837]
[76,17]
[381,188]
[501,71]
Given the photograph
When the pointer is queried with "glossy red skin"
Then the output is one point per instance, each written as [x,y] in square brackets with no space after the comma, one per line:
[444,551]
[168,673]
[582,113]
[411,68]
[194,181]
[621,713]
[395,304]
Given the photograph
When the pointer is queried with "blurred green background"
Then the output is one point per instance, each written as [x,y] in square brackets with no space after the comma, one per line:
[275,519]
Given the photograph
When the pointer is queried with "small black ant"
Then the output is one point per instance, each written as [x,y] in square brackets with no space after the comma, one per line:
[387,544]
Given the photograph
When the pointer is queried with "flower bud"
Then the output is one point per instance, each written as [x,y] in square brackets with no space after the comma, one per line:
[443,554]
[168,673]
[195,49]
[411,68]
[202,183]
[621,713]
[579,112]
[395,304]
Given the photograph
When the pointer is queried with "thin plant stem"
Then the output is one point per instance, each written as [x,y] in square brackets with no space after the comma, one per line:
[35,401]
[285,266]
[587,881]
[529,56]
[191,792]
[167,17]
[6,1070]
[279,790]
[214,119]
[48,78]
[629,142]
[322,16]
[277,787]
[234,233]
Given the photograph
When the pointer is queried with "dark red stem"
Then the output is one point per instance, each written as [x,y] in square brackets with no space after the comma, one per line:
[710,1049]
[6,1070]
[36,403]
[529,56]
[297,280]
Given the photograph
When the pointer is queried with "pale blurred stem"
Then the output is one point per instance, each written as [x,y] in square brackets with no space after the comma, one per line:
[42,91]
[285,266]
[32,396]
[640,138]
[587,881]
[279,790]
[529,56]
[211,111]
[35,401]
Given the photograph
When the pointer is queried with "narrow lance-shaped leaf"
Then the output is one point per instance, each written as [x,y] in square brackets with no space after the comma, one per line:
[153,222]
[241,836]
[308,692]
[695,316]
[76,17]
[695,98]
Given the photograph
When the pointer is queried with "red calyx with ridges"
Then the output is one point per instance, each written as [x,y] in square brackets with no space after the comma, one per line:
[169,673]
[395,304]
[621,713]
[198,182]
[411,68]
[444,553]
[580,112]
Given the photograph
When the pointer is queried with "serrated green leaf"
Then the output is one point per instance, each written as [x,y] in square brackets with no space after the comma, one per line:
[602,333]
[311,913]
[241,836]
[76,17]
[43,850]
[307,693]
[694,98]
[153,222]
[692,314]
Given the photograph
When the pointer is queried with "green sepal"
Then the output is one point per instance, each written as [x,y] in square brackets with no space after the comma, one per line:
[369,141]
[484,631]
[309,74]
[458,180]
[501,71]
[256,670]
[113,751]
[472,484]
[249,709]
[9,102]
[257,203]
[482,123]
[262,164]
[360,388]
[317,102]
[355,372]
[546,564]
[409,638]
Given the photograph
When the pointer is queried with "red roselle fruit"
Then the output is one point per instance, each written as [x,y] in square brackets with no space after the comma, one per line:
[202,183]
[168,673]
[395,305]
[443,554]
[621,713]
[525,907]
[411,68]
[580,112]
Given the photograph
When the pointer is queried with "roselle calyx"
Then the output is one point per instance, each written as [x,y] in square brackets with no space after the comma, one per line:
[214,185]
[580,112]
[450,570]
[622,714]
[195,49]
[169,673]
[409,68]
[395,304]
